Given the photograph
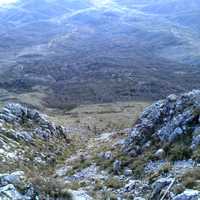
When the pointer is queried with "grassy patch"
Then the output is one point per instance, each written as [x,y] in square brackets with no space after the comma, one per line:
[179,152]
[196,155]
[114,183]
[191,178]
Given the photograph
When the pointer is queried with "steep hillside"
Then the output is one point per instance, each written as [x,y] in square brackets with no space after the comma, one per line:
[156,159]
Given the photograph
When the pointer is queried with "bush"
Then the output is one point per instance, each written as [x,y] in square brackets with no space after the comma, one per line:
[114,183]
[165,168]
[189,182]
[196,155]
[50,187]
[190,178]
[179,152]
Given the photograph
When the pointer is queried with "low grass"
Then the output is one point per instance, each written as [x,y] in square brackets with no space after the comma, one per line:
[114,183]
[191,178]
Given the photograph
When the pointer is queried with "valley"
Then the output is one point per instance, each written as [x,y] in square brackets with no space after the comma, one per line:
[97,52]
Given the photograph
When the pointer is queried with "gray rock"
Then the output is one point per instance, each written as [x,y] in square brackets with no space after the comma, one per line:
[154,166]
[172,97]
[132,185]
[159,185]
[160,153]
[165,121]
[128,172]
[108,155]
[188,195]
[175,134]
[9,192]
[9,184]
[195,142]
[117,167]
[14,178]
[196,138]
[17,114]
[80,195]
[43,134]
[23,135]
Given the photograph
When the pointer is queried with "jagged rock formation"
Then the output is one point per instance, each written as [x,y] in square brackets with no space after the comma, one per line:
[168,130]
[17,114]
[165,121]
[19,125]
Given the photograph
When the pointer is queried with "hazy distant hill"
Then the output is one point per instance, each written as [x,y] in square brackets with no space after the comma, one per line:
[100,50]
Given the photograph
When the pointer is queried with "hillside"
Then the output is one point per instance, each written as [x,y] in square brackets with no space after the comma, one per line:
[158,158]
[99,51]
[99,100]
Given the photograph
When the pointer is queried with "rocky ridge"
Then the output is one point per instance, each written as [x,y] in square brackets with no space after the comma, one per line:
[167,120]
[169,131]
[158,159]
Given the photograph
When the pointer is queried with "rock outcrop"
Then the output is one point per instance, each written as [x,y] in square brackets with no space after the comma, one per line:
[165,121]
[22,128]
[29,142]
[14,186]
[19,115]
[188,195]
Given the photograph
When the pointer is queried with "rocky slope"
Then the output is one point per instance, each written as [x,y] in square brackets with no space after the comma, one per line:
[29,143]
[157,159]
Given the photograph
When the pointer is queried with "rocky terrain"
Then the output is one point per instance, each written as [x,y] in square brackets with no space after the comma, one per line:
[77,82]
[29,143]
[156,159]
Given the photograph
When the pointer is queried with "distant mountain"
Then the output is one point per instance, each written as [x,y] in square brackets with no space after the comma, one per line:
[97,51]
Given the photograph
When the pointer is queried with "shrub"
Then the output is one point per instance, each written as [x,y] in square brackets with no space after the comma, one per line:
[98,185]
[189,182]
[50,187]
[196,155]
[114,183]
[179,152]
[190,178]
[165,168]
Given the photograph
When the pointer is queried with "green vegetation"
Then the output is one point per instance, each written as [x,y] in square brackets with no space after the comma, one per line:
[196,155]
[114,183]
[165,168]
[50,187]
[179,152]
[191,178]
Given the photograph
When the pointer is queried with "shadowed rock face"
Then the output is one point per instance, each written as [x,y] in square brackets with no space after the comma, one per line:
[166,121]
[75,48]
